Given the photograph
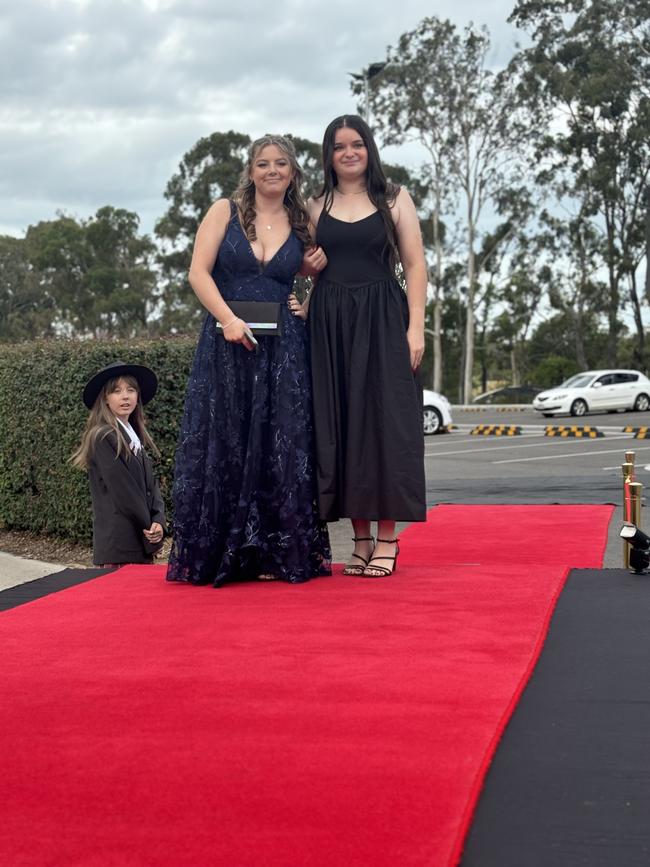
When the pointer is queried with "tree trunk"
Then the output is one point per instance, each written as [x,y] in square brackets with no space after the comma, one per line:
[579,337]
[613,299]
[612,321]
[639,349]
[471,279]
[461,371]
[437,343]
[469,320]
[577,309]
[514,367]
[647,243]
[484,365]
[437,300]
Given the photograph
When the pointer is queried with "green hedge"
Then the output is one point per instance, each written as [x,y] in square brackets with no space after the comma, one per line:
[42,417]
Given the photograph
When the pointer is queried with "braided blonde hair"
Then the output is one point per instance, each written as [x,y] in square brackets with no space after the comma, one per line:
[294,204]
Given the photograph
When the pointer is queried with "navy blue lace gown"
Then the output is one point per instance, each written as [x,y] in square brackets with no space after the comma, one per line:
[244,487]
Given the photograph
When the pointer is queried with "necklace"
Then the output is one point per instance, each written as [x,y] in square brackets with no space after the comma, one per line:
[268,226]
[354,193]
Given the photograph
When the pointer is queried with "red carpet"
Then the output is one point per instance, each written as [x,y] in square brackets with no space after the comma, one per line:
[563,535]
[342,722]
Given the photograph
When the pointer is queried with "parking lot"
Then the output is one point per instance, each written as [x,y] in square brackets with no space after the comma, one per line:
[532,467]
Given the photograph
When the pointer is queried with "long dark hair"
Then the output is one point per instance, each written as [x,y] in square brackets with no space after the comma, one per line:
[294,204]
[381,192]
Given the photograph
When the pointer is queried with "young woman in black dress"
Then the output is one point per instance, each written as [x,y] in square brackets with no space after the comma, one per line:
[367,341]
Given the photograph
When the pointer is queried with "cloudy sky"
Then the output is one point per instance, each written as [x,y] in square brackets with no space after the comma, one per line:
[101,98]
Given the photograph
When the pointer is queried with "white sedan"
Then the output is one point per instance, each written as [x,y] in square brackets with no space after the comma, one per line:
[436,412]
[596,391]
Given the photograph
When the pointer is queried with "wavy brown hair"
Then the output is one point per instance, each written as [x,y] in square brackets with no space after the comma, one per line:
[381,192]
[102,422]
[294,204]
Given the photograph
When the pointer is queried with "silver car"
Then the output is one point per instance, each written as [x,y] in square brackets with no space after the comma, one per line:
[596,391]
[436,412]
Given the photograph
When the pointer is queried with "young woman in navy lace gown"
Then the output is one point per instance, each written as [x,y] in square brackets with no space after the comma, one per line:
[367,341]
[244,487]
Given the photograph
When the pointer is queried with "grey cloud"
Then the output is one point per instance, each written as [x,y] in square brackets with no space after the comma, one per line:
[101,98]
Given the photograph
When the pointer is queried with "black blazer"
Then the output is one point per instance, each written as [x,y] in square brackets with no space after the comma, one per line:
[126,500]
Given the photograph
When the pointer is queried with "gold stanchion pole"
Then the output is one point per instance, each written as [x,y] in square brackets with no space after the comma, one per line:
[628,479]
[636,493]
[629,458]
[639,552]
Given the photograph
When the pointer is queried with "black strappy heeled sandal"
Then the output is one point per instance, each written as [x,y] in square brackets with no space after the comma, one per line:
[351,569]
[383,571]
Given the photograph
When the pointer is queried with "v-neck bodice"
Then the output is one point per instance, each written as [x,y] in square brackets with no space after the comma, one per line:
[241,276]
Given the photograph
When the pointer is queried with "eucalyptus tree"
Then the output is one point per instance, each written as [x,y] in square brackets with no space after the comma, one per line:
[576,289]
[310,161]
[26,311]
[437,88]
[519,296]
[209,170]
[590,65]
[96,274]
[495,267]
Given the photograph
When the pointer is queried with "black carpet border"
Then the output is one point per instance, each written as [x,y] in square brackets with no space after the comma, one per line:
[12,597]
[568,784]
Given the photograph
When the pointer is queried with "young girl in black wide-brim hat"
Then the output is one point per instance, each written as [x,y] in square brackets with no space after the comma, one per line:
[128,510]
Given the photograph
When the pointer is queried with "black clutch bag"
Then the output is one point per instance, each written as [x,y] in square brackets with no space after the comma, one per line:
[262,317]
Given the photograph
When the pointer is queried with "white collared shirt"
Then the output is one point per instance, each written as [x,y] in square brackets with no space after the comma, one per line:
[134,440]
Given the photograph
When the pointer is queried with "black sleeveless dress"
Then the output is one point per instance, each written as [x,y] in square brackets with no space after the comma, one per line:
[367,400]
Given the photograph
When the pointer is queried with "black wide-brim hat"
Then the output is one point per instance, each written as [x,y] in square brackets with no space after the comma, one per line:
[146,378]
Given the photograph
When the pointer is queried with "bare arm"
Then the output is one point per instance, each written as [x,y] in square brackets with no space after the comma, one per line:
[206,247]
[314,259]
[411,251]
[313,262]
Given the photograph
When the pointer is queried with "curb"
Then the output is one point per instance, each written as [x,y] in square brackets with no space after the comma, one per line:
[640,433]
[572,431]
[496,430]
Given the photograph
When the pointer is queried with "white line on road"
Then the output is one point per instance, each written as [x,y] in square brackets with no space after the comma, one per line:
[569,455]
[497,448]
[618,467]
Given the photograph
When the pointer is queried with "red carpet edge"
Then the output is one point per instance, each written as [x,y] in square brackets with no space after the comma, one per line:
[477,785]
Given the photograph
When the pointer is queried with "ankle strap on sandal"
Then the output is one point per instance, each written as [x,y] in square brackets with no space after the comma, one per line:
[389,541]
[363,538]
